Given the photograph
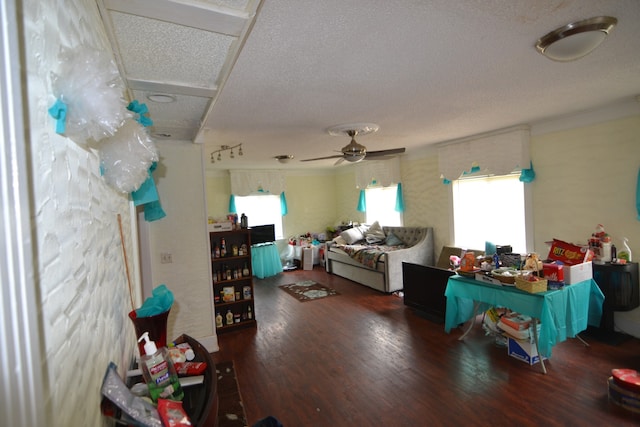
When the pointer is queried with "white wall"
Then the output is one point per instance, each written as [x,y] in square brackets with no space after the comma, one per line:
[183,234]
[79,267]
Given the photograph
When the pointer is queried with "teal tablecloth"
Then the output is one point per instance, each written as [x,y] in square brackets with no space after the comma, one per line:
[563,313]
[265,260]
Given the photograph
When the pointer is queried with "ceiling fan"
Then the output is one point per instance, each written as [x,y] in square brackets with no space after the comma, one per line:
[354,152]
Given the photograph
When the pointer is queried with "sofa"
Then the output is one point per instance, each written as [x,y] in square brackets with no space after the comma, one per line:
[385,274]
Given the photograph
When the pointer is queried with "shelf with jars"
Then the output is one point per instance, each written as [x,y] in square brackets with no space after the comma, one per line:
[232,279]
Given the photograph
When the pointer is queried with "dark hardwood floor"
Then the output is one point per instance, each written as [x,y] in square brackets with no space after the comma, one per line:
[362,358]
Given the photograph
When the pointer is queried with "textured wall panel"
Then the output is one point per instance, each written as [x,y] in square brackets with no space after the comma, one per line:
[79,262]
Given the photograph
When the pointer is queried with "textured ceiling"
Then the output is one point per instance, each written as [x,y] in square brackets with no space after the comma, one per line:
[274,75]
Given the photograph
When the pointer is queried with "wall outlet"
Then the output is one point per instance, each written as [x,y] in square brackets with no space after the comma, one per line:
[166,258]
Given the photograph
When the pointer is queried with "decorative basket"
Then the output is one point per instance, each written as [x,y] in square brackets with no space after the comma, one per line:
[539,285]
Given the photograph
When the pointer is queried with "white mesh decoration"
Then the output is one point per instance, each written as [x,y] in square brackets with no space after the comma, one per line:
[88,82]
[126,157]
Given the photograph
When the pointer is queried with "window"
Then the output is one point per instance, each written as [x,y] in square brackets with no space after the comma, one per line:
[381,204]
[261,210]
[490,209]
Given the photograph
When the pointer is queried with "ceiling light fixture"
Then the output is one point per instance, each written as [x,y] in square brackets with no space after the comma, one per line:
[575,40]
[161,98]
[284,158]
[224,148]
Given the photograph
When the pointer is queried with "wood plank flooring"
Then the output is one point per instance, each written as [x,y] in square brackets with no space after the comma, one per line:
[362,359]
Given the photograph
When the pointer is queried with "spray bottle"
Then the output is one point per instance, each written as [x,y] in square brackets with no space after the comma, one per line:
[159,372]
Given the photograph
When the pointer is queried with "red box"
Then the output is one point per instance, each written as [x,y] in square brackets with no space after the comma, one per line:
[553,272]
[568,253]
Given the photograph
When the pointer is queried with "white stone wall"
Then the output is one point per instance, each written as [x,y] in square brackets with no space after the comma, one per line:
[79,265]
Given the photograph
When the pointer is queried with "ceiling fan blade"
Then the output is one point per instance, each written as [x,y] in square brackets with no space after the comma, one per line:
[385,152]
[340,160]
[337,156]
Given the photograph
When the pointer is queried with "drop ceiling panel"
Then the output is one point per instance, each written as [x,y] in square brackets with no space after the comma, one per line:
[152,50]
[189,109]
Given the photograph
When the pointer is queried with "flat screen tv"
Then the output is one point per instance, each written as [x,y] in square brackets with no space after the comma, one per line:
[262,234]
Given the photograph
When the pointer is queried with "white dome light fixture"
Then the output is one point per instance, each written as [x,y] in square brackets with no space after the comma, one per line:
[575,40]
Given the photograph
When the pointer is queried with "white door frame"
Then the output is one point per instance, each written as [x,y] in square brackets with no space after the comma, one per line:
[22,401]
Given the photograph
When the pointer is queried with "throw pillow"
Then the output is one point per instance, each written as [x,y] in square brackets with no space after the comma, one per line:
[352,235]
[375,234]
[393,240]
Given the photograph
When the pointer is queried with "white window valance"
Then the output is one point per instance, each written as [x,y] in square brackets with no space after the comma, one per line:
[499,153]
[244,183]
[383,172]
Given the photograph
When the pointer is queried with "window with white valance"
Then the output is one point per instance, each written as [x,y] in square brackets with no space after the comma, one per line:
[497,153]
[246,182]
[379,172]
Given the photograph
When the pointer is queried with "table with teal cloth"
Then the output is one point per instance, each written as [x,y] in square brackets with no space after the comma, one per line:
[562,313]
[265,260]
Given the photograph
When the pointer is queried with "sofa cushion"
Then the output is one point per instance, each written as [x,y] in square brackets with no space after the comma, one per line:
[393,240]
[375,234]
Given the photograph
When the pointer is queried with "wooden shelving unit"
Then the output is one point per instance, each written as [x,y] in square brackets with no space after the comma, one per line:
[232,280]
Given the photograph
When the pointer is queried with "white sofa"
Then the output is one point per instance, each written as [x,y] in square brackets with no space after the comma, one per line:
[387,274]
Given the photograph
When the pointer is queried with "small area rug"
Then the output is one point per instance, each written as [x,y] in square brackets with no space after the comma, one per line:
[308,290]
[230,408]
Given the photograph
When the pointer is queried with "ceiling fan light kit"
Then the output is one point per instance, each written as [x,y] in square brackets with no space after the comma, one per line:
[575,40]
[354,152]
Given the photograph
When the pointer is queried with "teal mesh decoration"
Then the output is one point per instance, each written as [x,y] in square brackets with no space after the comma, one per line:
[362,202]
[528,175]
[232,204]
[473,169]
[283,205]
[141,112]
[399,199]
[445,181]
[153,211]
[147,192]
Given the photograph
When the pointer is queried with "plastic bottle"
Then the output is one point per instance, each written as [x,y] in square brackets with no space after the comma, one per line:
[159,372]
[625,252]
[244,221]
[218,320]
[229,317]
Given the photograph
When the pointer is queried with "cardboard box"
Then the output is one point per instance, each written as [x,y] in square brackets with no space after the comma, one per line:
[524,350]
[568,253]
[577,273]
[219,226]
[307,258]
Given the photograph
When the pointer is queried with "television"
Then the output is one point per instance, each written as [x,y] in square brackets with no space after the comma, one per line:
[262,234]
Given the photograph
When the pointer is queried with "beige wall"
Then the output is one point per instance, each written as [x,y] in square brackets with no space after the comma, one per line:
[584,176]
[587,176]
